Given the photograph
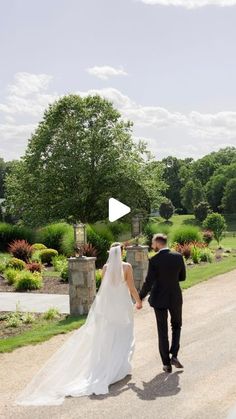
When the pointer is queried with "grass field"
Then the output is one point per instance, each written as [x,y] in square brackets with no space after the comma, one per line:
[41,332]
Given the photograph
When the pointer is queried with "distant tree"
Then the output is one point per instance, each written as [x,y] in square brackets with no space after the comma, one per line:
[2,176]
[201,210]
[166,209]
[192,193]
[215,222]
[173,176]
[229,197]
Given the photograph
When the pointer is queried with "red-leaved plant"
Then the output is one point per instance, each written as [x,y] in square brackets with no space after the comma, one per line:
[21,249]
[34,267]
[89,250]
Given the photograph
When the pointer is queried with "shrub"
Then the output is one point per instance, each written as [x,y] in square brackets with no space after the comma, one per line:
[201,210]
[21,249]
[14,320]
[195,254]
[2,267]
[27,280]
[166,209]
[89,250]
[39,246]
[52,235]
[11,274]
[9,233]
[51,314]
[152,228]
[187,234]
[206,255]
[16,264]
[36,256]
[117,228]
[65,273]
[46,255]
[34,267]
[59,262]
[184,249]
[102,230]
[216,223]
[98,278]
[207,236]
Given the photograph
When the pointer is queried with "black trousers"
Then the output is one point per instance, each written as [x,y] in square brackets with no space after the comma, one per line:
[162,327]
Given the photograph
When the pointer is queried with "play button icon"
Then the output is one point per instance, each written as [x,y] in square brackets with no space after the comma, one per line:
[117,209]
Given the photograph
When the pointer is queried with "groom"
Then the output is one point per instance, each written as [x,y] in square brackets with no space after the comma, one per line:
[165,271]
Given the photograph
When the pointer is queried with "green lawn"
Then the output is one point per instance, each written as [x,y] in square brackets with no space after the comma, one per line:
[199,273]
[41,332]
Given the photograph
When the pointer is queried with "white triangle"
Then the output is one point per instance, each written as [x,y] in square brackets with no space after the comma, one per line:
[117,209]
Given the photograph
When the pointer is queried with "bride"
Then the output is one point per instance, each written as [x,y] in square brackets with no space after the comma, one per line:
[99,353]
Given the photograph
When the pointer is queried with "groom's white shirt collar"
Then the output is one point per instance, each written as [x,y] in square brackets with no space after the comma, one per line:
[163,248]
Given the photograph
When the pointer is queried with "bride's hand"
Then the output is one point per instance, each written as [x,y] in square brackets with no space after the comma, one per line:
[139,305]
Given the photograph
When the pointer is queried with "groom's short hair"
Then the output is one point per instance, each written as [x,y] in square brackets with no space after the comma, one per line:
[162,238]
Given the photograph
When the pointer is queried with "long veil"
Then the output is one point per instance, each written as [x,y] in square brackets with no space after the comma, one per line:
[96,354]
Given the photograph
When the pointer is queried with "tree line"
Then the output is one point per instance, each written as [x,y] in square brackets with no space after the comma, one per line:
[82,152]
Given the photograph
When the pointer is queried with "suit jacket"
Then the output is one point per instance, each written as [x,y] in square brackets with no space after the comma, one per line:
[165,271]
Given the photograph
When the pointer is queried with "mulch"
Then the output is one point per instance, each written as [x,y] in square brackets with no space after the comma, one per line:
[51,285]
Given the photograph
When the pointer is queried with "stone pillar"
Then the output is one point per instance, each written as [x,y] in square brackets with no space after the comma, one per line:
[82,284]
[137,256]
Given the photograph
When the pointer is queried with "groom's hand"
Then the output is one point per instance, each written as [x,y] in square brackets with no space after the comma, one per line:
[139,305]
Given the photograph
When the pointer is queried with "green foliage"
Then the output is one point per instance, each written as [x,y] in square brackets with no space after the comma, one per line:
[27,280]
[9,233]
[16,263]
[201,210]
[21,249]
[192,193]
[166,209]
[2,267]
[46,255]
[206,255]
[85,141]
[98,278]
[52,235]
[195,254]
[187,234]
[51,314]
[229,197]
[59,262]
[216,223]
[65,273]
[152,228]
[11,275]
[39,246]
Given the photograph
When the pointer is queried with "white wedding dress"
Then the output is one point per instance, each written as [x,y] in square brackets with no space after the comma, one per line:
[94,356]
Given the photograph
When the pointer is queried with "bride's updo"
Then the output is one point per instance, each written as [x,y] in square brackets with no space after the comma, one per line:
[115,244]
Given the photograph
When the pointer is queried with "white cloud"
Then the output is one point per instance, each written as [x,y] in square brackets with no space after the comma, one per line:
[191,4]
[217,126]
[106,71]
[26,84]
[167,132]
[28,95]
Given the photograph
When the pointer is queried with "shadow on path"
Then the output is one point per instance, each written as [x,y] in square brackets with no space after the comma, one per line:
[162,385]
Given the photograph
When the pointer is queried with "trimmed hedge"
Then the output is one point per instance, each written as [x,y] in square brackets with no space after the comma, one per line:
[52,235]
[10,232]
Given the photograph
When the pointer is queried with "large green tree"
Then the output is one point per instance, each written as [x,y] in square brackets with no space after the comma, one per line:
[81,154]
[229,198]
[192,194]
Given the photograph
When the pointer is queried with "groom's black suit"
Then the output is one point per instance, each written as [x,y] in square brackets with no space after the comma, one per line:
[165,271]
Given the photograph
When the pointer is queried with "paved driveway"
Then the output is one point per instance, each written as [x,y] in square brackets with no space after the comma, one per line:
[205,390]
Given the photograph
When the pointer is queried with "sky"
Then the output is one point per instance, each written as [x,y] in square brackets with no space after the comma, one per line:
[167,65]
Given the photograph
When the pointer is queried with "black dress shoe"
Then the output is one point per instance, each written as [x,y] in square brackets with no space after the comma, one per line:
[174,361]
[167,368]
